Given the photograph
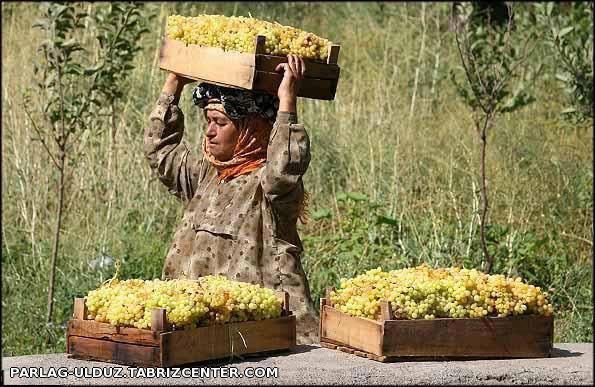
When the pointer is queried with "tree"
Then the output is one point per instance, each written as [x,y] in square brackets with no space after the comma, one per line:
[491,55]
[64,102]
[72,93]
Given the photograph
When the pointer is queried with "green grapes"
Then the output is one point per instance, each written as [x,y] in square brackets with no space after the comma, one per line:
[239,33]
[188,303]
[426,293]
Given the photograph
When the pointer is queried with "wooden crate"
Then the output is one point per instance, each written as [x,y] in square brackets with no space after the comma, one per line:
[161,346]
[528,336]
[248,71]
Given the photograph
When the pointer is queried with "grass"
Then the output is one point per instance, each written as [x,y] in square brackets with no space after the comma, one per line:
[396,134]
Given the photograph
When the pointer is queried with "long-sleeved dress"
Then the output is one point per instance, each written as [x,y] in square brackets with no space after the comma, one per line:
[246,228]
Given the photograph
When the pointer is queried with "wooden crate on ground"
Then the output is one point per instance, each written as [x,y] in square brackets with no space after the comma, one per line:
[528,336]
[161,346]
[248,71]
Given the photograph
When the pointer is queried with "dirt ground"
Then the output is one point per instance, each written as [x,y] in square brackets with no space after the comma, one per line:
[311,364]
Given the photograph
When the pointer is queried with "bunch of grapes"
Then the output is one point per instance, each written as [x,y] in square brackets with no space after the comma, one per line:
[426,293]
[239,33]
[188,303]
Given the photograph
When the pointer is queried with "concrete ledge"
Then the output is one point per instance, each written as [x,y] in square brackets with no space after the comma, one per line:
[311,364]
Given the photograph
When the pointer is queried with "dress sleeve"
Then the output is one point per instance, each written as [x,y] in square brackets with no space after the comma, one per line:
[288,157]
[169,157]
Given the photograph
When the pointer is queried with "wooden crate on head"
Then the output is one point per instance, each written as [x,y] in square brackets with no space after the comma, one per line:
[249,71]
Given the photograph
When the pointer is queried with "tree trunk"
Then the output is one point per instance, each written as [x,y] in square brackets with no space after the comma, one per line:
[114,149]
[484,198]
[61,140]
[112,172]
[56,238]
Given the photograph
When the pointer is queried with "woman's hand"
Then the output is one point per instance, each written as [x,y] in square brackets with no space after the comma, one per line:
[293,73]
[174,83]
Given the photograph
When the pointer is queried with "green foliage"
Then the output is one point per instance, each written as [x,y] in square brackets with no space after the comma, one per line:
[60,69]
[491,57]
[569,35]
[141,250]
[82,85]
[120,27]
[64,102]
[360,236]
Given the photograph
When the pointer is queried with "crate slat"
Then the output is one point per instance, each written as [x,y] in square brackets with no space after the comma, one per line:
[207,63]
[328,345]
[99,330]
[283,296]
[113,352]
[355,332]
[333,54]
[260,44]
[219,341]
[159,321]
[323,88]
[386,311]
[269,63]
[515,336]
[80,309]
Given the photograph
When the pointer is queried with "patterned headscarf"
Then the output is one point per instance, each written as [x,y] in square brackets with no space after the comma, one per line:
[237,103]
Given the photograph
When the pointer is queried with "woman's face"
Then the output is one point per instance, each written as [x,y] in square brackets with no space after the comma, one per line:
[222,135]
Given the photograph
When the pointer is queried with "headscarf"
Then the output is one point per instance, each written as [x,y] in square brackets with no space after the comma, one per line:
[237,103]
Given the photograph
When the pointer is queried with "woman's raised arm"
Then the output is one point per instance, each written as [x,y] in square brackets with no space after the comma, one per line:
[288,153]
[169,156]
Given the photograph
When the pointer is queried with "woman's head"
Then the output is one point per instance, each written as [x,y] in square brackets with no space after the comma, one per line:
[238,123]
[234,146]
[228,140]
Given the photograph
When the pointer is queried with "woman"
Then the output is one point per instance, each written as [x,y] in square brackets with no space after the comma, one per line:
[244,195]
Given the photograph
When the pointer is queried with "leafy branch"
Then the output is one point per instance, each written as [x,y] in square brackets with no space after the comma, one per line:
[569,35]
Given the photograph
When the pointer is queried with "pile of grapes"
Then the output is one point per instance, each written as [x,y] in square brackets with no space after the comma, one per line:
[239,33]
[188,303]
[426,293]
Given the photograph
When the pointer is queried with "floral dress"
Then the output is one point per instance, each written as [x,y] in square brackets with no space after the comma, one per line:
[245,228]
